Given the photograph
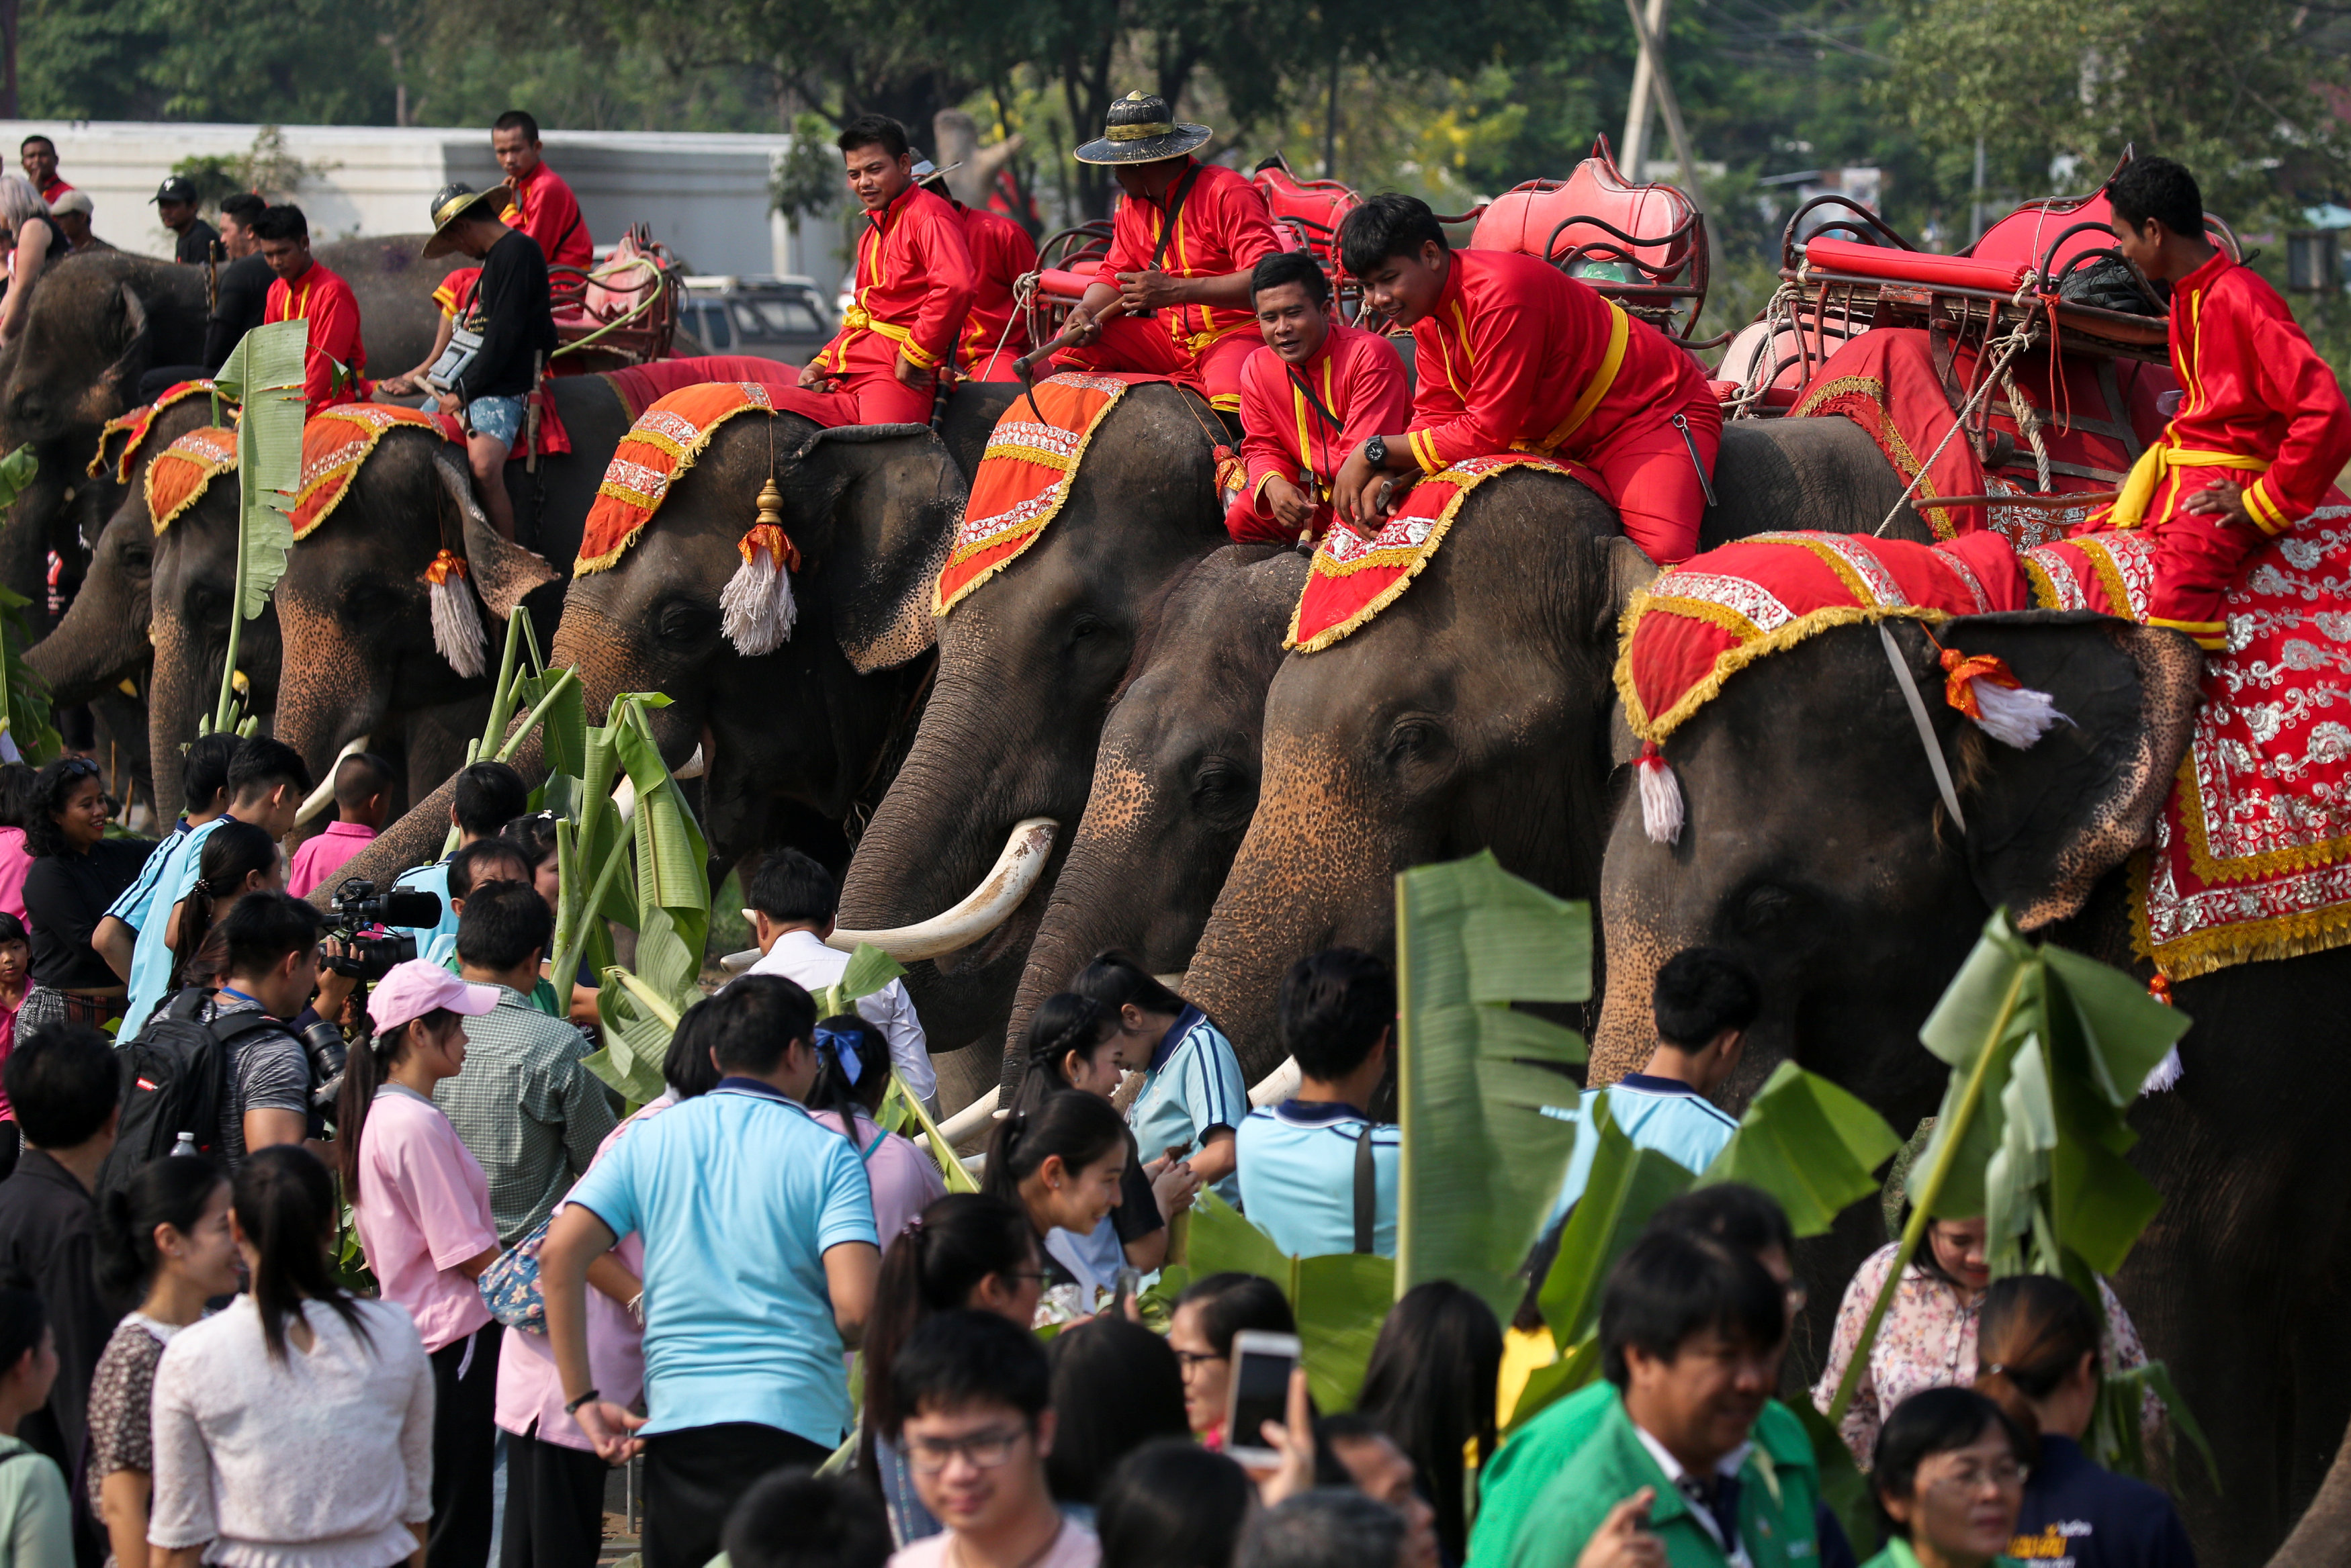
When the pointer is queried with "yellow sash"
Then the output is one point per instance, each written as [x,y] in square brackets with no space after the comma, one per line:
[1620,331]
[857,318]
[2130,509]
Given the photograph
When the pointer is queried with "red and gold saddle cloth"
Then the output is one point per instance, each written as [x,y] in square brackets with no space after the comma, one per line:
[2095,415]
[1695,626]
[336,442]
[182,471]
[1350,579]
[1024,474]
[133,427]
[2251,857]
[663,443]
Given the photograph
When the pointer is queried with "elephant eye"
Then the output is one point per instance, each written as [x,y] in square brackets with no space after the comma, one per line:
[1414,739]
[682,621]
[1221,787]
[1764,906]
[1084,625]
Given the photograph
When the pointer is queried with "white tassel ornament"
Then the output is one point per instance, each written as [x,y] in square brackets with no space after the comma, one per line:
[1661,797]
[456,625]
[1988,691]
[2167,1073]
[756,607]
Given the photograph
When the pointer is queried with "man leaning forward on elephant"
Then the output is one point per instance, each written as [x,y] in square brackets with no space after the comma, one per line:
[2262,431]
[1315,391]
[1182,244]
[914,279]
[1515,356]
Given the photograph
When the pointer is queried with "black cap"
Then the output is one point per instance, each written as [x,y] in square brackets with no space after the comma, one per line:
[178,188]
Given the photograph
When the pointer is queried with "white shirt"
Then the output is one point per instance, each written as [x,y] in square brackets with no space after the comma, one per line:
[800,957]
[1729,1465]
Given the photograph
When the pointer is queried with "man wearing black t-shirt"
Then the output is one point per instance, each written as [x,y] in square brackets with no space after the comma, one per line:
[512,314]
[175,209]
[242,291]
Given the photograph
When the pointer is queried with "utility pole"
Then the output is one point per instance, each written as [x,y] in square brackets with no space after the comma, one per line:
[1648,76]
[1975,207]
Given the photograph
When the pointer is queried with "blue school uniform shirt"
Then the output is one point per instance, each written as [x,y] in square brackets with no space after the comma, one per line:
[146,906]
[738,1321]
[2078,1515]
[1663,1113]
[1298,1176]
[433,879]
[1195,1086]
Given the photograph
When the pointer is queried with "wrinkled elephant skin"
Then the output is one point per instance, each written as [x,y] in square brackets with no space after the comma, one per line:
[1028,665]
[1476,712]
[1176,780]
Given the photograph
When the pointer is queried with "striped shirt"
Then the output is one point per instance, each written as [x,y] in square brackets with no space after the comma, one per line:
[527,1110]
[1194,1088]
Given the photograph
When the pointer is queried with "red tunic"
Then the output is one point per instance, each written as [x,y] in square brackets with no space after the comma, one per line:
[335,365]
[54,189]
[545,209]
[1222,228]
[915,285]
[1356,379]
[1001,250]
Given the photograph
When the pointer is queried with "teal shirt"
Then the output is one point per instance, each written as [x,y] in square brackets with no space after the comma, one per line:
[1779,1492]
[1522,1467]
[1195,1086]
[35,1522]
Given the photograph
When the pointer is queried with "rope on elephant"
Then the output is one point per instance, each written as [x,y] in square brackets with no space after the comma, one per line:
[2021,337]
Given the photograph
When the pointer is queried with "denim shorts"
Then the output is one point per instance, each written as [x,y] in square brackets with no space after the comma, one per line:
[499,418]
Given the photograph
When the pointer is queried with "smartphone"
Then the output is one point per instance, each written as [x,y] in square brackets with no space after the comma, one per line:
[1260,1393]
[1130,1284]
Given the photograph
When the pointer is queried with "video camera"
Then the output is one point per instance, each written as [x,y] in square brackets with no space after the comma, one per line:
[370,957]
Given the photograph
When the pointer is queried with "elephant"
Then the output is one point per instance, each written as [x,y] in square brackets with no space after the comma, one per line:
[1028,665]
[1816,848]
[793,740]
[1175,778]
[100,321]
[1475,711]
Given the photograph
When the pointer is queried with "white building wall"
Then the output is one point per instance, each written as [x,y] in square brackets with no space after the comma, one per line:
[704,196]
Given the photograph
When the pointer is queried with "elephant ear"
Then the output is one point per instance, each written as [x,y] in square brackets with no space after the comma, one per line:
[132,329]
[881,503]
[1625,569]
[2044,824]
[503,572]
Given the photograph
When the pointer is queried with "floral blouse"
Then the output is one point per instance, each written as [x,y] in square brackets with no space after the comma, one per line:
[1928,1341]
[121,1394]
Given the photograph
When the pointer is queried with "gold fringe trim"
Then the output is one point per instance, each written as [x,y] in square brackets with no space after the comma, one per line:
[939,605]
[588,566]
[2214,871]
[211,466]
[1730,660]
[348,471]
[1889,439]
[1438,530]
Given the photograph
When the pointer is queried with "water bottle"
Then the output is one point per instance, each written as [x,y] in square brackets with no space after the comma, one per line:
[186,1145]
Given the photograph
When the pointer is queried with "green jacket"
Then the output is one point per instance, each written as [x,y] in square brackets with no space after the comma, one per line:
[1897,1554]
[1521,1468]
[1779,1490]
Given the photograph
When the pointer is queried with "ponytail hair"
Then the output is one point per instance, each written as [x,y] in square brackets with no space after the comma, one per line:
[2035,1330]
[285,1205]
[1081,1128]
[1118,979]
[172,1191]
[1063,1023]
[232,852]
[364,1072]
[847,1044]
[932,1266]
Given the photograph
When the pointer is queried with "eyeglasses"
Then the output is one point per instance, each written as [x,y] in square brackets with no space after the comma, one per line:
[987,1450]
[1187,1359]
[2001,1475]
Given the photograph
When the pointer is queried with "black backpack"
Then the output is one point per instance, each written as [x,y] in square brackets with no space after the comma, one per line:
[174,1076]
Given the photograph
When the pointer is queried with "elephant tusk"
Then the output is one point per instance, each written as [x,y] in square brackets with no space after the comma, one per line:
[971,1119]
[985,907]
[324,795]
[1279,1083]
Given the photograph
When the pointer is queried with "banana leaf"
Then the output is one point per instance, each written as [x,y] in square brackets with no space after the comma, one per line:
[24,695]
[901,1108]
[1843,1489]
[1808,1143]
[1627,1186]
[869,969]
[264,373]
[1340,1301]
[1481,1161]
[637,1026]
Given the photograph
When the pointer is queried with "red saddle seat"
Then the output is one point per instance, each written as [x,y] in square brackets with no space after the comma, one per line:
[1307,212]
[1528,219]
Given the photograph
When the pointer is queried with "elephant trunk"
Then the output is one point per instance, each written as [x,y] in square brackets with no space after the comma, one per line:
[330,692]
[1311,872]
[101,639]
[175,696]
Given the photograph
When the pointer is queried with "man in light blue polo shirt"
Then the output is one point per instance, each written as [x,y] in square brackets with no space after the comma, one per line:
[487,797]
[203,781]
[1704,1000]
[1195,1097]
[266,781]
[1318,1174]
[760,1261]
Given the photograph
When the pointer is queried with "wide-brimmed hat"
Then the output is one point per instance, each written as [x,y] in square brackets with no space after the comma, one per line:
[926,173]
[1142,129]
[457,200]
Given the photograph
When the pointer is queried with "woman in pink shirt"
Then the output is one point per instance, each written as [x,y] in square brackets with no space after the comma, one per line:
[853,1074]
[15,800]
[422,1210]
[15,978]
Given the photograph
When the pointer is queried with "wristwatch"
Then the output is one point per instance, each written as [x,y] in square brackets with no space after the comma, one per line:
[1375,452]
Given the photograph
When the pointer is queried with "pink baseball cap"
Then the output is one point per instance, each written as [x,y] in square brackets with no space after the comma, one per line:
[415,987]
